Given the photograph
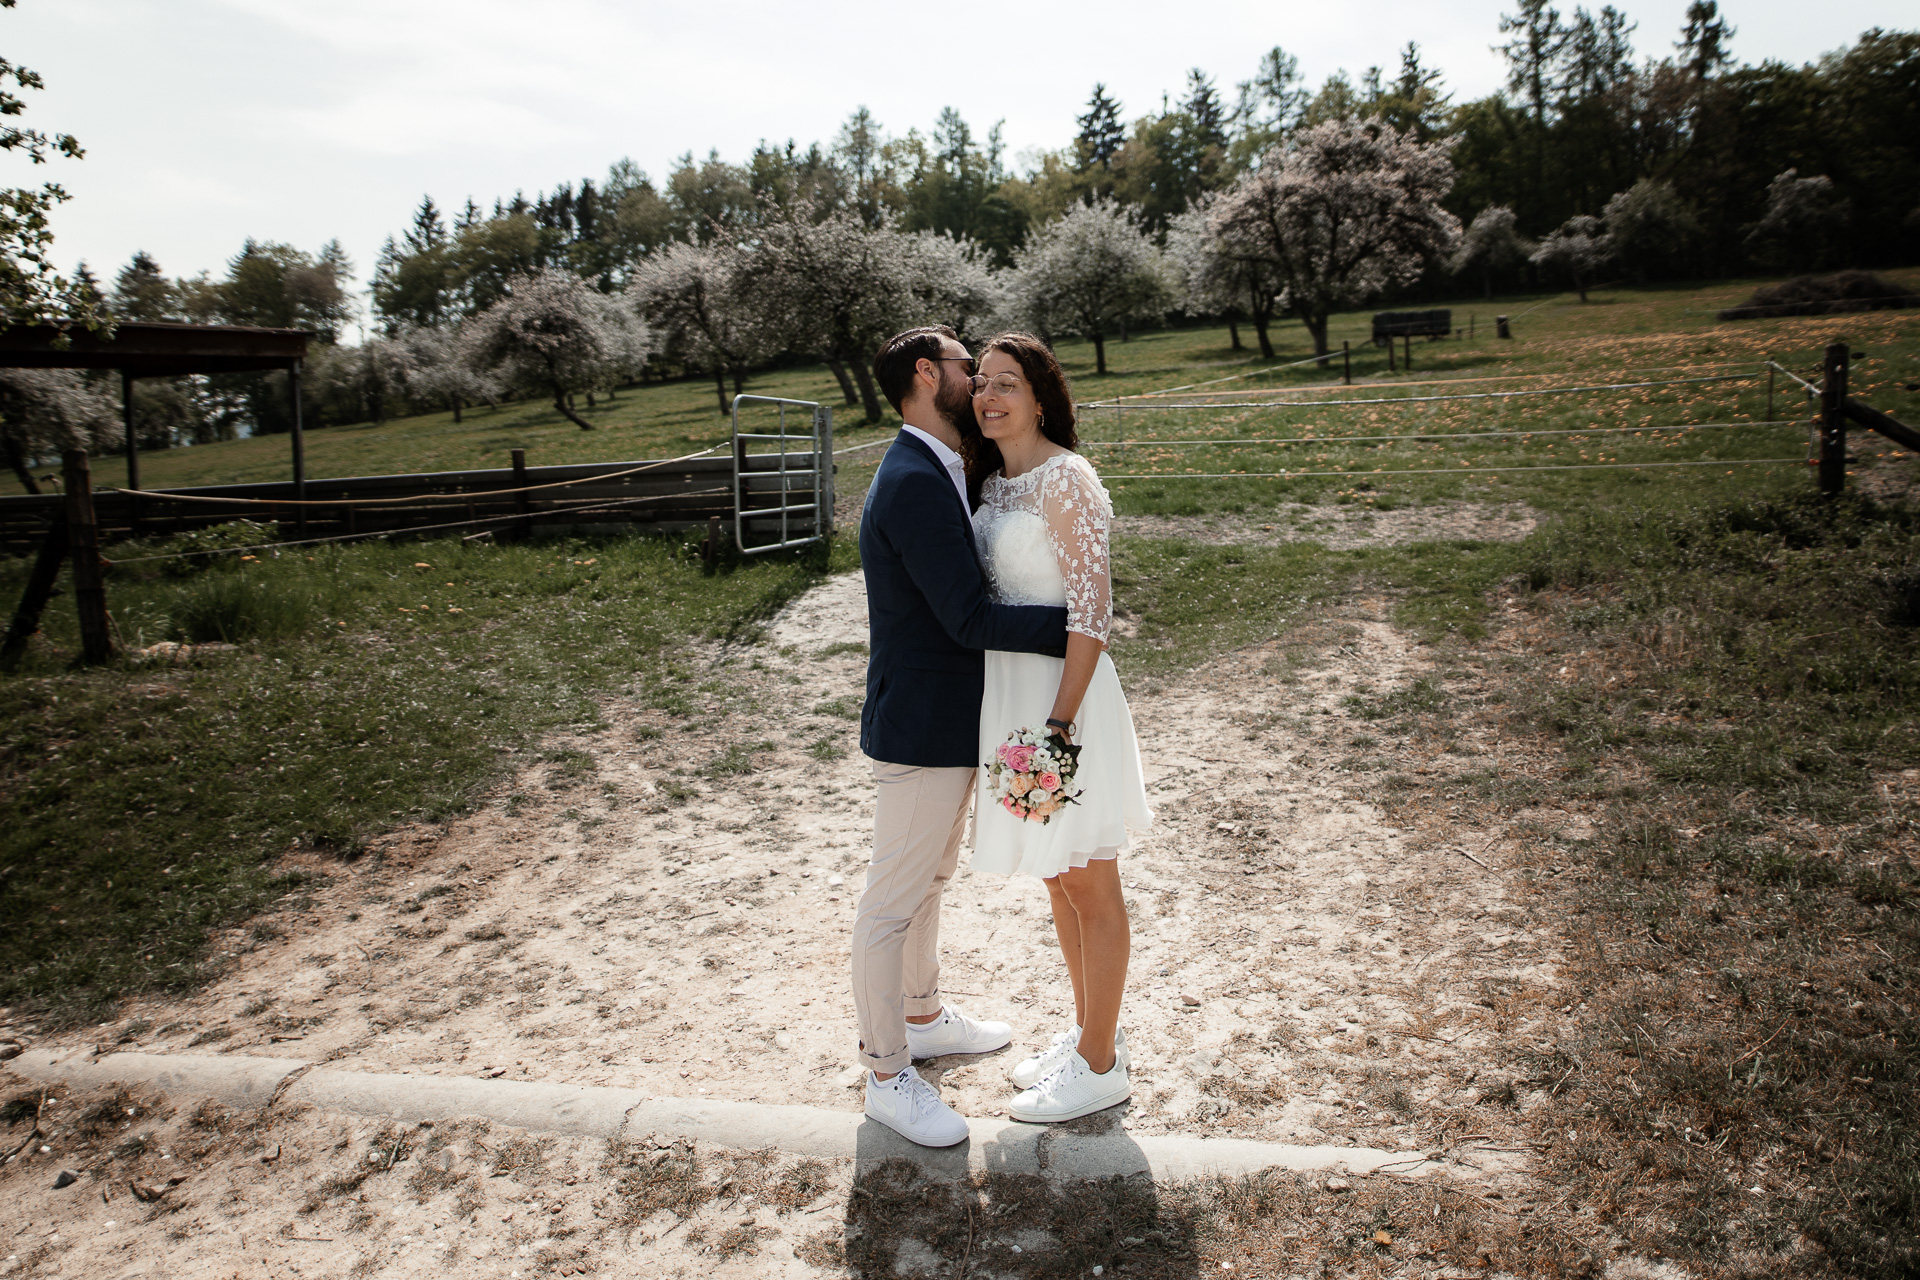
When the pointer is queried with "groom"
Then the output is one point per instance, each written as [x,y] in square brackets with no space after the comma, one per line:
[930,623]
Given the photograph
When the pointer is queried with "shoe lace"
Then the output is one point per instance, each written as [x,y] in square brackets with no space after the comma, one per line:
[921,1098]
[1066,1071]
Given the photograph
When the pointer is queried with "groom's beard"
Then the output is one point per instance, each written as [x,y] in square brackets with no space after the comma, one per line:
[954,402]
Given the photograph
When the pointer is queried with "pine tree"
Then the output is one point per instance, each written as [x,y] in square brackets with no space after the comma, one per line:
[1703,41]
[142,291]
[428,231]
[1101,132]
[1203,105]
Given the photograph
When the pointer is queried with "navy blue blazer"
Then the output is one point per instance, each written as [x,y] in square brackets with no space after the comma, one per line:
[930,620]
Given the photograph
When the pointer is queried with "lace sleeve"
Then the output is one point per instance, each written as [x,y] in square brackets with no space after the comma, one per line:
[1078,515]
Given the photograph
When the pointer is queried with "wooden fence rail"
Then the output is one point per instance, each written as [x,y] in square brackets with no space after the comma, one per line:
[668,496]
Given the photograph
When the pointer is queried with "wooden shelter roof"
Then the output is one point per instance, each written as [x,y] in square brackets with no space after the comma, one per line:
[155,350]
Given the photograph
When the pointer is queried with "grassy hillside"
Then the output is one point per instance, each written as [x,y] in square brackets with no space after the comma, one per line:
[1667,332]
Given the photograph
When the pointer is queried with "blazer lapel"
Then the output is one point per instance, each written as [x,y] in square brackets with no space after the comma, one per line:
[919,446]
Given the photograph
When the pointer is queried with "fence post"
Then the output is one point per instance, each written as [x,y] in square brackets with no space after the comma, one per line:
[1346,359]
[1391,367]
[710,547]
[523,527]
[1833,421]
[1769,390]
[83,541]
[1409,353]
[33,602]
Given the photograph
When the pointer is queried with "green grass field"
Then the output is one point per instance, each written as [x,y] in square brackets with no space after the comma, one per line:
[1621,334]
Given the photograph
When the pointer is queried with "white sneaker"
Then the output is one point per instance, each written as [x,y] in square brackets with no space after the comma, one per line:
[954,1032]
[908,1105]
[1072,1090]
[1032,1070]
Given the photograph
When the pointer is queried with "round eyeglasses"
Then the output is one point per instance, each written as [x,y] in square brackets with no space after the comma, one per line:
[1003,384]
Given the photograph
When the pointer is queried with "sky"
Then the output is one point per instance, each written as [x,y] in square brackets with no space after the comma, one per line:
[208,121]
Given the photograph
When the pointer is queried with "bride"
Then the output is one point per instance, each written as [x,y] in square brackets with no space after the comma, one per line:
[1042,530]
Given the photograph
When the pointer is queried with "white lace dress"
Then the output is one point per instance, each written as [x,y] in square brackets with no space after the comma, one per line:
[1042,538]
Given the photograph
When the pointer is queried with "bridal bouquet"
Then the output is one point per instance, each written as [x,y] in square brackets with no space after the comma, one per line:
[1032,773]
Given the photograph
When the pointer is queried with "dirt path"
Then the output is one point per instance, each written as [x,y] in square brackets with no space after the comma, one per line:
[663,903]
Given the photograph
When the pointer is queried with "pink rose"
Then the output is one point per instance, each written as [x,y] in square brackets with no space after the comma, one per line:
[1021,757]
[1006,802]
[1049,782]
[1019,784]
[1004,753]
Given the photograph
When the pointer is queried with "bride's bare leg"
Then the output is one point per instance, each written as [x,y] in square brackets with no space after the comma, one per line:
[1100,910]
[1066,927]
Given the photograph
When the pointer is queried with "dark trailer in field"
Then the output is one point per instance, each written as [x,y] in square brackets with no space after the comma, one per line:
[1388,325]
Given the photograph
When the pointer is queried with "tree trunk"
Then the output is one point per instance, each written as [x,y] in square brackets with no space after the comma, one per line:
[1488,277]
[1233,331]
[17,459]
[1317,326]
[1099,353]
[867,396]
[1262,317]
[739,379]
[1260,333]
[1580,287]
[566,410]
[846,383]
[456,410]
[720,389]
[589,398]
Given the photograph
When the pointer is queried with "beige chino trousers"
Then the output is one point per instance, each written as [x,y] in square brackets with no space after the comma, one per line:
[919,817]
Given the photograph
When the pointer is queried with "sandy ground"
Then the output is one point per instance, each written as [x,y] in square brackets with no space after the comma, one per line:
[663,903]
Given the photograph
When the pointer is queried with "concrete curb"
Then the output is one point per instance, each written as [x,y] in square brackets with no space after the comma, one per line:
[994,1145]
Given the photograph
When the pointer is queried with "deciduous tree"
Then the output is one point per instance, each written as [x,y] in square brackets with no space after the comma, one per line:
[1491,246]
[690,295]
[1093,272]
[1804,224]
[43,411]
[1577,249]
[554,331]
[1343,212]
[1651,228]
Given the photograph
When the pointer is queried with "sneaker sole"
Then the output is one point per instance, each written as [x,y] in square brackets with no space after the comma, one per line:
[1062,1116]
[918,1142]
[918,1056]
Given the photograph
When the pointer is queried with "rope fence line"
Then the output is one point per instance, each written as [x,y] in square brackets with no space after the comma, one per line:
[424,497]
[1122,401]
[1211,382]
[1775,364]
[592,504]
[1455,435]
[1454,471]
[1473,395]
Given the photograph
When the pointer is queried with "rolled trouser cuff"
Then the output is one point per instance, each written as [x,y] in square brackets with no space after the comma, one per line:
[921,1006]
[899,1060]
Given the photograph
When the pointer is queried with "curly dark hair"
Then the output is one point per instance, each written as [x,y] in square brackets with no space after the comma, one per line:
[1057,418]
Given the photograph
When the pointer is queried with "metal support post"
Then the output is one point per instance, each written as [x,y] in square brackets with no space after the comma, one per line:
[1346,360]
[133,451]
[299,452]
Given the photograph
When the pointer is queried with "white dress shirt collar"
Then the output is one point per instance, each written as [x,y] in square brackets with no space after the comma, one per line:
[955,465]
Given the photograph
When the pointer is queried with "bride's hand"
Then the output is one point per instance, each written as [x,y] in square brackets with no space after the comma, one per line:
[1062,732]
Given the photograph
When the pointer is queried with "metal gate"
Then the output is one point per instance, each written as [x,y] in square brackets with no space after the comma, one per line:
[783,478]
